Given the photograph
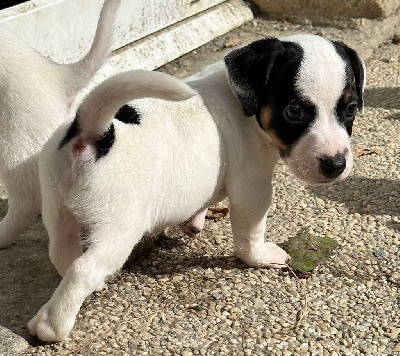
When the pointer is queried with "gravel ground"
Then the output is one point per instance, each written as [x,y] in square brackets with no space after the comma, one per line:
[192,297]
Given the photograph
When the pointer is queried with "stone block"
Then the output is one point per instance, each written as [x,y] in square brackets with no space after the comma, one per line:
[328,12]
[10,343]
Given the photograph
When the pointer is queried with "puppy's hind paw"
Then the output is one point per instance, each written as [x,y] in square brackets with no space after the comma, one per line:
[194,226]
[191,230]
[101,287]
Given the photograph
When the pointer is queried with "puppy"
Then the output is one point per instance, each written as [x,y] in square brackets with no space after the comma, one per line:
[35,97]
[122,168]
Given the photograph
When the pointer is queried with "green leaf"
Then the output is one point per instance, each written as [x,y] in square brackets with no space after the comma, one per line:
[307,251]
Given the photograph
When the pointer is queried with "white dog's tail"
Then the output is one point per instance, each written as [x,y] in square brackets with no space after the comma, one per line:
[79,74]
[98,109]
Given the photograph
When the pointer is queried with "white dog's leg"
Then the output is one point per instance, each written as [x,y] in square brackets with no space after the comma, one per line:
[248,214]
[195,224]
[108,251]
[20,215]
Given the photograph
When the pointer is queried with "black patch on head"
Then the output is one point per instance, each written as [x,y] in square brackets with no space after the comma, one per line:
[280,95]
[105,142]
[354,70]
[345,113]
[355,77]
[128,115]
[248,70]
[264,73]
[72,132]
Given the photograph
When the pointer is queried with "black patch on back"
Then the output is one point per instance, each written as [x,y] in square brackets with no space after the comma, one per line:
[128,115]
[72,132]
[105,142]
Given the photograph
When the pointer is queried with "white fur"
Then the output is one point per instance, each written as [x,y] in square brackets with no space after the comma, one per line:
[35,97]
[183,157]
[322,73]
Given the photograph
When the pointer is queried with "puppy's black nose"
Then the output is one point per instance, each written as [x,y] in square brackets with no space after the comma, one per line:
[332,166]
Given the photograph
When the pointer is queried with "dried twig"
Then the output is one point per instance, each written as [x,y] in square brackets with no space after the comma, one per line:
[303,309]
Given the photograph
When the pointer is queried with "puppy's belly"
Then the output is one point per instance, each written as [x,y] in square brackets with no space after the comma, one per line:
[184,199]
[183,172]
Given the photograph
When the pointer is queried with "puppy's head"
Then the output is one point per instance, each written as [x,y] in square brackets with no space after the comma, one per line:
[304,92]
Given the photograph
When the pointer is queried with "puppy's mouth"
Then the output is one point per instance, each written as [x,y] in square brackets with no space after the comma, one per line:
[325,181]
[312,174]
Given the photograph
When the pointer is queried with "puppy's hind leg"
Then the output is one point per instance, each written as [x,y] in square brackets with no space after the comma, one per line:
[110,247]
[195,224]
[65,244]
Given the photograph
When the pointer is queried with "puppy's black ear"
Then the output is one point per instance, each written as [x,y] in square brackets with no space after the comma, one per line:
[248,70]
[358,67]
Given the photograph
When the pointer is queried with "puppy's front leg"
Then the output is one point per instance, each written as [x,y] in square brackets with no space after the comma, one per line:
[248,214]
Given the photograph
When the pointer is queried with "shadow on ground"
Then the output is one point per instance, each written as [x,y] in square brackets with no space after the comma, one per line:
[364,195]
[170,255]
[385,98]
[28,278]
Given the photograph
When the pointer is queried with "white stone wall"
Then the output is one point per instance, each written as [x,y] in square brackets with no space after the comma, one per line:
[63,29]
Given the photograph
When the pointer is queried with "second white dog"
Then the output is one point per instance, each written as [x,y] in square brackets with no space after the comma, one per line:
[36,96]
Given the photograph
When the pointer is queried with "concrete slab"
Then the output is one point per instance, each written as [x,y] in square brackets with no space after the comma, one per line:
[10,343]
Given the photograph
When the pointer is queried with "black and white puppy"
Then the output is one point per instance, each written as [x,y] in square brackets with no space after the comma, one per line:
[36,96]
[123,168]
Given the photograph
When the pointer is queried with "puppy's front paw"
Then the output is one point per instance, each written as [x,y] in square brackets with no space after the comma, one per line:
[49,326]
[268,254]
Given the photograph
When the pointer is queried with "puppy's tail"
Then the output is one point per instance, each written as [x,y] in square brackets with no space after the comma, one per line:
[100,106]
[79,74]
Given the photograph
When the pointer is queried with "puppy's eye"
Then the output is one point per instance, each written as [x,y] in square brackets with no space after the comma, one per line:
[351,110]
[294,111]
